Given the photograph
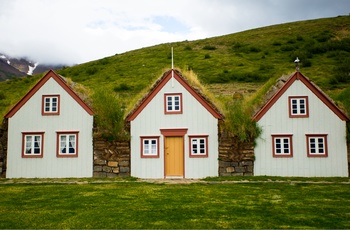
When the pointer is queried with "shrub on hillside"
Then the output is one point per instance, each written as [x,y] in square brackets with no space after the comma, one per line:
[342,71]
[2,96]
[209,47]
[122,87]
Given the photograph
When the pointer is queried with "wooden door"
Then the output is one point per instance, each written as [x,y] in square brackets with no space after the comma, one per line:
[174,157]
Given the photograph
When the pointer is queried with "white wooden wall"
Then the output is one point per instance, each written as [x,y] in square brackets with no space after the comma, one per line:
[29,119]
[194,117]
[321,120]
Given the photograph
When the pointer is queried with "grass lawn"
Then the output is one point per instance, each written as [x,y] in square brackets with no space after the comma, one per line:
[211,204]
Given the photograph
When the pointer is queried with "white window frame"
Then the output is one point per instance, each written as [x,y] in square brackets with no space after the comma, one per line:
[196,150]
[48,106]
[297,112]
[278,143]
[32,144]
[62,150]
[150,149]
[170,107]
[313,143]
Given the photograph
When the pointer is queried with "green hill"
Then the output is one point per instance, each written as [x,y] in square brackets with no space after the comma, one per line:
[241,61]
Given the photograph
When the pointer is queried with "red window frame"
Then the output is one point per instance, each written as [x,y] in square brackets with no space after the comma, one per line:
[32,155]
[150,138]
[325,145]
[166,111]
[282,137]
[199,155]
[58,144]
[298,115]
[45,113]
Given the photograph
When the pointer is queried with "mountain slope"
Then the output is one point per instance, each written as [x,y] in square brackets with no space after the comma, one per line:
[244,60]
[7,71]
[23,66]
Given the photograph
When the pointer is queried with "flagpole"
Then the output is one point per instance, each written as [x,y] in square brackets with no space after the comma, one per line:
[172,67]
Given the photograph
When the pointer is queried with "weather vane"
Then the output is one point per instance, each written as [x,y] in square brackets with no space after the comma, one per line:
[297,64]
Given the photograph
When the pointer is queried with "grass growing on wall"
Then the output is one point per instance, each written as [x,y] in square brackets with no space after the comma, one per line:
[109,115]
[238,121]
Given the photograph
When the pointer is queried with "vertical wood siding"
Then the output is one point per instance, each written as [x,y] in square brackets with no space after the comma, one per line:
[29,119]
[321,120]
[194,117]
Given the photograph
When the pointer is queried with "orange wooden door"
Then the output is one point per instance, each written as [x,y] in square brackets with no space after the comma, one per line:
[174,157]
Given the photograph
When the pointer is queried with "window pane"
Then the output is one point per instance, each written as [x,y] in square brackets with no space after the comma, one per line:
[63,144]
[154,147]
[72,144]
[54,103]
[47,105]
[146,146]
[194,146]
[177,103]
[37,144]
[29,144]
[170,103]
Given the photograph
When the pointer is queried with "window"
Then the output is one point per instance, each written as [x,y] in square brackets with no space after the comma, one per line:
[199,146]
[50,105]
[298,107]
[316,145]
[67,144]
[150,147]
[32,144]
[282,145]
[173,103]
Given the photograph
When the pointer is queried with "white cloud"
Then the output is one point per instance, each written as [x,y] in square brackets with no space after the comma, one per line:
[76,31]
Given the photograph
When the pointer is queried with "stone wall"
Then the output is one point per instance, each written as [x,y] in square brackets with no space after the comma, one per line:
[111,159]
[235,158]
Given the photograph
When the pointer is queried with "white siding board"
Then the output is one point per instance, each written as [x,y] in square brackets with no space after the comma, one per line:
[321,120]
[195,118]
[29,119]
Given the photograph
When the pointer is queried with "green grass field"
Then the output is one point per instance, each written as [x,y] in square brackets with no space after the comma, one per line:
[207,204]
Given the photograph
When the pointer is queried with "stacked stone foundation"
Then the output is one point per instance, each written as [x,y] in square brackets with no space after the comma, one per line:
[235,158]
[111,159]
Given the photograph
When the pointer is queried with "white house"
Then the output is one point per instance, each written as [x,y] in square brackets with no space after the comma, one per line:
[174,132]
[50,133]
[304,133]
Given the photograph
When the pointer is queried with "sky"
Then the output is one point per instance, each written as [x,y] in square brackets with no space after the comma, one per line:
[78,31]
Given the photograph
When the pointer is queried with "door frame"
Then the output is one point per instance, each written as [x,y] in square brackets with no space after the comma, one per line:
[174,132]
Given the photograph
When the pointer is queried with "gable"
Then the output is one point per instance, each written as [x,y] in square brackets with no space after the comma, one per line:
[161,83]
[50,75]
[297,76]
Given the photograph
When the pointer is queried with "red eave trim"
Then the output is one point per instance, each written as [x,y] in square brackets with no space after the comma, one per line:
[41,82]
[312,87]
[160,85]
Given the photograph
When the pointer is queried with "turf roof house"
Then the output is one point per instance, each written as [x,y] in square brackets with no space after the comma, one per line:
[50,133]
[304,133]
[174,132]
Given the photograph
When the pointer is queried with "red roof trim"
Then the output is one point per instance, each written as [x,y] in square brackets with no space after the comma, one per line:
[311,86]
[41,82]
[161,84]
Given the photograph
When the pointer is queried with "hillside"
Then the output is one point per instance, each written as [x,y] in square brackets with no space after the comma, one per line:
[236,62]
